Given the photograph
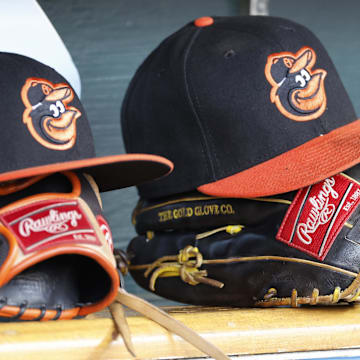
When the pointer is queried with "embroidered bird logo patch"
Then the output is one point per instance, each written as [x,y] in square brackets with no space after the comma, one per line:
[48,117]
[298,90]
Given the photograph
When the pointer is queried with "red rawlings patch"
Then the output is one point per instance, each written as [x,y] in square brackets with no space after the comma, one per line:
[48,223]
[317,215]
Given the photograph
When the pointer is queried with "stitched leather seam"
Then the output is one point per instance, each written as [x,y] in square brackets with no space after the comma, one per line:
[263,258]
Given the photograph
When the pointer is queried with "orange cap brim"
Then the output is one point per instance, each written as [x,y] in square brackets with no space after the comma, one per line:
[302,166]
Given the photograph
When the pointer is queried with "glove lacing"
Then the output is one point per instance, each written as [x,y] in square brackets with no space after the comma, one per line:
[186,264]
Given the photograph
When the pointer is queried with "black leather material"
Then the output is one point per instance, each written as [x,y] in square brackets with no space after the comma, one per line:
[4,249]
[187,212]
[245,282]
[62,280]
[56,183]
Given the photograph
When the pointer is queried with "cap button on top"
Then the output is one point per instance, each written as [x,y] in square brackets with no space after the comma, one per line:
[204,21]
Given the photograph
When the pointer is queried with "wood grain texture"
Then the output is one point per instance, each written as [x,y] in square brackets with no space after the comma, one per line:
[236,332]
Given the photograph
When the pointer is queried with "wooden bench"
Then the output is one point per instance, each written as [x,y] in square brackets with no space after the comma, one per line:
[235,331]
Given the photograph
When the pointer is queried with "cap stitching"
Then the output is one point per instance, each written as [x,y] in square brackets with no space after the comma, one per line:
[210,138]
[278,149]
[209,163]
[127,131]
[260,158]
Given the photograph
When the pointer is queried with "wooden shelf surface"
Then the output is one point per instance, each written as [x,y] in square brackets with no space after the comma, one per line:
[235,331]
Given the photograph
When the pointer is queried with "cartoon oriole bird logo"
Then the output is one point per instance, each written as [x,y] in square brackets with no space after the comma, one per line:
[49,118]
[297,90]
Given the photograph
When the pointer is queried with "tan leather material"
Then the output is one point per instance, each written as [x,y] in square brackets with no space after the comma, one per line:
[122,327]
[162,318]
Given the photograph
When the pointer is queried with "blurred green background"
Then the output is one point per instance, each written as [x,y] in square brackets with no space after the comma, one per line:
[109,39]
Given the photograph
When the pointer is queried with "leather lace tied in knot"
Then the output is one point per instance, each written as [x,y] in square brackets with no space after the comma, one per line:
[186,265]
[349,295]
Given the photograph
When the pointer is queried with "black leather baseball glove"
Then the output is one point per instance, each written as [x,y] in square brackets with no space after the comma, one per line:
[293,249]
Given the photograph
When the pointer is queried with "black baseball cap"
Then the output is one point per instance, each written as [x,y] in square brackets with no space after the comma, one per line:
[44,129]
[244,107]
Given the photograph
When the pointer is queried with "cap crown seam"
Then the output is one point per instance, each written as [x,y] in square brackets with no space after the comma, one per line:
[127,131]
[209,163]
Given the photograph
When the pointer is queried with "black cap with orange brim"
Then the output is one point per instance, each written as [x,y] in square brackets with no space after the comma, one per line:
[44,129]
[243,106]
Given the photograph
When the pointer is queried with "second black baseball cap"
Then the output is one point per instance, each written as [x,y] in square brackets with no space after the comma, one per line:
[44,129]
[244,107]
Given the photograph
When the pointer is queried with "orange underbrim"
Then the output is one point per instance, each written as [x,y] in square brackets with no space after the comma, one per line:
[302,166]
[110,172]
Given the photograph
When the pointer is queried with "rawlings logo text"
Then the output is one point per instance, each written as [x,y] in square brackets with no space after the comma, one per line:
[320,213]
[54,223]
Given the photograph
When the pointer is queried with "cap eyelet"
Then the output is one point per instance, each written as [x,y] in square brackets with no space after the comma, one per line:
[229,53]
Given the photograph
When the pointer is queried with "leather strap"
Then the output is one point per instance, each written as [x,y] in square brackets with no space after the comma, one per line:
[162,318]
